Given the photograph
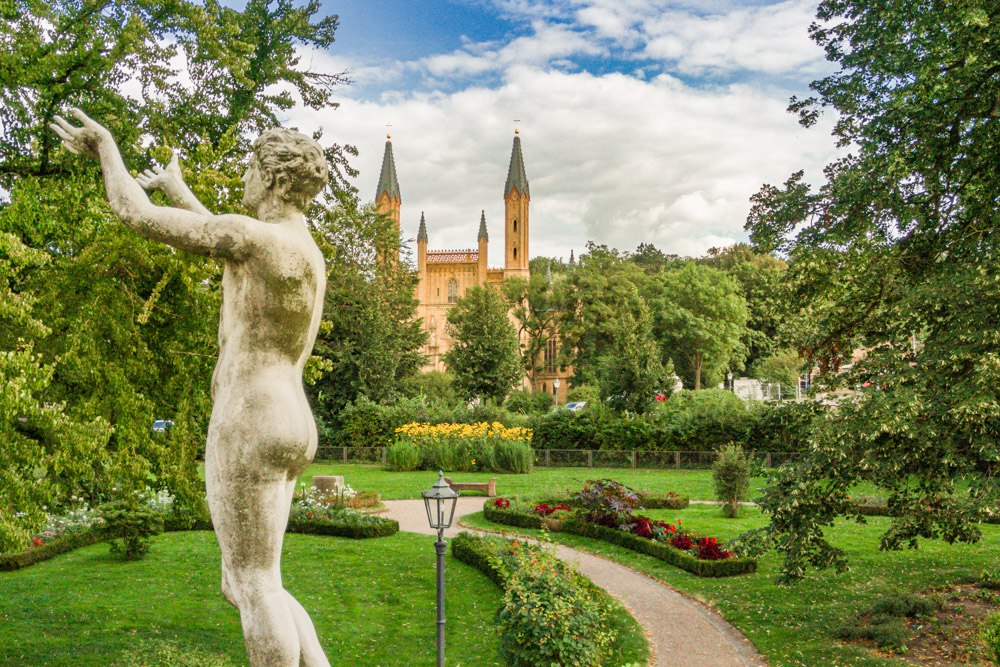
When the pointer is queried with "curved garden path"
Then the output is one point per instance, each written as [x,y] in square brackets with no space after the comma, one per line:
[680,630]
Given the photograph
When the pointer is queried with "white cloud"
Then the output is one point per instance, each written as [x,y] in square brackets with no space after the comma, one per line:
[771,39]
[612,158]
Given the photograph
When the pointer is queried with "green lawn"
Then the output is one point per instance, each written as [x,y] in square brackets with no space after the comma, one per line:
[791,625]
[372,602]
[399,485]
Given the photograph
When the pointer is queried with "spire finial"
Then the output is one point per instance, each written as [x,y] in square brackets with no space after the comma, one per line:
[517,129]
[388,131]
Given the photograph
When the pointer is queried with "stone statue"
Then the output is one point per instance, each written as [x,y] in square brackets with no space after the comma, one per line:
[262,434]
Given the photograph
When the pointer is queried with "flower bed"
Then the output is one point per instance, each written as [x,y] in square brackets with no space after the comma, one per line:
[486,447]
[606,514]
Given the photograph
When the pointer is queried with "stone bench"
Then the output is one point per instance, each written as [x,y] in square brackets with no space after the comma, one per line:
[329,484]
[489,488]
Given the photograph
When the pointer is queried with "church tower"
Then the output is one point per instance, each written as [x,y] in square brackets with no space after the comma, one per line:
[387,197]
[484,250]
[516,199]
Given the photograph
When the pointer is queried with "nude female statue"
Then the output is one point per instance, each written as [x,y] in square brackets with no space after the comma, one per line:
[262,434]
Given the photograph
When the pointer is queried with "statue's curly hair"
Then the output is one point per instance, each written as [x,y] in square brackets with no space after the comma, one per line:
[295,161]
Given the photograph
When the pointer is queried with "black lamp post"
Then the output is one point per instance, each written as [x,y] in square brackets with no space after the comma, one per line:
[440,503]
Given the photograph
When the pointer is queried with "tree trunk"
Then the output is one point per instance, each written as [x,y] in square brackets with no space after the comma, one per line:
[697,371]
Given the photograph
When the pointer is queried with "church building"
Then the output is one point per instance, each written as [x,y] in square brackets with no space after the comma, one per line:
[446,275]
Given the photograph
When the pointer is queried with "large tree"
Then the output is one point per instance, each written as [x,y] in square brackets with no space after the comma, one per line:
[897,252]
[485,353]
[370,336]
[700,317]
[534,307]
[631,374]
[133,323]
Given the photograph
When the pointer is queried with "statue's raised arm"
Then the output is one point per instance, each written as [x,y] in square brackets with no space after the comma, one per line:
[170,182]
[198,231]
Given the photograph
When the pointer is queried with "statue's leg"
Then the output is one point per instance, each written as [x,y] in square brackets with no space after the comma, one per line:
[250,515]
[312,652]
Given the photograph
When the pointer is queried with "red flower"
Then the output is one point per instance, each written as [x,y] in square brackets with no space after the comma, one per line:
[501,503]
[682,542]
[37,542]
[709,549]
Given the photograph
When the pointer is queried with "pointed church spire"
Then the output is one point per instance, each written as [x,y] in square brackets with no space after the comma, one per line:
[483,234]
[516,176]
[387,184]
[422,231]
[571,260]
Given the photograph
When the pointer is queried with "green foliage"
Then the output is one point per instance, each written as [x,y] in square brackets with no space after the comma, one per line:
[68,542]
[731,473]
[514,457]
[485,353]
[595,293]
[703,420]
[700,316]
[133,323]
[344,523]
[990,634]
[434,385]
[366,423]
[897,253]
[528,402]
[370,337]
[990,579]
[130,525]
[783,367]
[662,501]
[631,373]
[533,303]
[550,614]
[403,456]
[784,427]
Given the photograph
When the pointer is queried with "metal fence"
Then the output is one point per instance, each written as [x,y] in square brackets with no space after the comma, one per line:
[578,458]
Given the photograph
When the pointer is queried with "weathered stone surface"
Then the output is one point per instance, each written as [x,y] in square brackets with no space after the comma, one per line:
[262,434]
[328,483]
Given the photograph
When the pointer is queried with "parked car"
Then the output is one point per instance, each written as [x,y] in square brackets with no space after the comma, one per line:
[162,425]
[575,406]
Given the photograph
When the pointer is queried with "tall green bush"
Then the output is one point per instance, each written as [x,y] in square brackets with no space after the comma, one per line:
[403,457]
[702,420]
[784,427]
[731,473]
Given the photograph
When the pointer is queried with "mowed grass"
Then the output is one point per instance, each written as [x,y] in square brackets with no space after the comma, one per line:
[402,485]
[372,601]
[792,625]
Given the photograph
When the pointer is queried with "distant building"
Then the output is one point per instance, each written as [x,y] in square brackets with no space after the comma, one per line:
[446,275]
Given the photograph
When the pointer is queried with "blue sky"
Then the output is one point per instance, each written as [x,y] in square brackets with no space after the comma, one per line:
[641,120]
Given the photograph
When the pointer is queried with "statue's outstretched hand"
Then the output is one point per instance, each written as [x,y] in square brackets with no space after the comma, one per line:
[167,179]
[87,139]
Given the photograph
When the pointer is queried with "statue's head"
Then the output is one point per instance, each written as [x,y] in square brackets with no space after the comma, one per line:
[288,164]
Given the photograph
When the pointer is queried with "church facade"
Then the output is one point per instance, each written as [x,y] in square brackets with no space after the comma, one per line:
[446,275]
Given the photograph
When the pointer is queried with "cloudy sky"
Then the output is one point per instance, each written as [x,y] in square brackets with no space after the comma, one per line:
[641,120]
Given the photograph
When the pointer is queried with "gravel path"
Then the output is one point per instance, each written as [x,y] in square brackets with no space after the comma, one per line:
[680,630]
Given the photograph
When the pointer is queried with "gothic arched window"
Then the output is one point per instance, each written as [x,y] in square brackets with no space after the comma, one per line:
[515,225]
[515,252]
[452,291]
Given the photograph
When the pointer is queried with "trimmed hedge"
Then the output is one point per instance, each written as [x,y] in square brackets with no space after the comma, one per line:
[375,527]
[702,568]
[662,501]
[16,561]
[472,551]
[511,517]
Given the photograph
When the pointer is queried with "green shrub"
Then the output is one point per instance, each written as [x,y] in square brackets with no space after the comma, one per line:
[625,432]
[528,402]
[130,525]
[515,457]
[906,604]
[403,457]
[512,516]
[990,634]
[662,501]
[888,636]
[731,474]
[565,430]
[550,616]
[347,523]
[365,423]
[784,427]
[702,420]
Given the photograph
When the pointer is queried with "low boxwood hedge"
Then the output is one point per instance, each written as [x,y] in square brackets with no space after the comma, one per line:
[15,561]
[662,501]
[373,526]
[511,517]
[703,568]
